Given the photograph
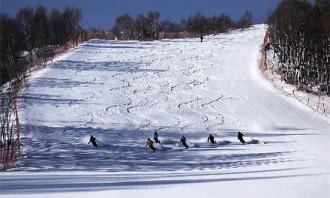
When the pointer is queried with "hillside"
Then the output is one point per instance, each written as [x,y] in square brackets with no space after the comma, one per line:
[122,91]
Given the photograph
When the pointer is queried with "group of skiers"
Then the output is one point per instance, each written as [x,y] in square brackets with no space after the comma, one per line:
[150,143]
[183,140]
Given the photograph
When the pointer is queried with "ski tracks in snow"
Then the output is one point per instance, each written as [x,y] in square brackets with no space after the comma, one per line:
[176,86]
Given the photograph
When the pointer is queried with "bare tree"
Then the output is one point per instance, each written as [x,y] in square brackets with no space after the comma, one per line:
[124,27]
[40,30]
[24,18]
[246,20]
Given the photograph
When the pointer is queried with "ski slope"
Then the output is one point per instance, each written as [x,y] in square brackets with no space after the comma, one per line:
[122,91]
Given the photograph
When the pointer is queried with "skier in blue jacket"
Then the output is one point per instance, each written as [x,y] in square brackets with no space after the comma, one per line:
[156,137]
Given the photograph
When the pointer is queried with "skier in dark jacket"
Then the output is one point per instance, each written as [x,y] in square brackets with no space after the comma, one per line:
[183,141]
[211,139]
[240,137]
[93,141]
[150,143]
[201,38]
[156,137]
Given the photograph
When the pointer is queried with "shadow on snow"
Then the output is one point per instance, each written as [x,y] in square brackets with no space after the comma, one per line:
[109,66]
[124,150]
[76,183]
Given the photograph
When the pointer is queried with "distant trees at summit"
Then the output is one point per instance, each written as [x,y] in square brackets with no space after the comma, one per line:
[148,27]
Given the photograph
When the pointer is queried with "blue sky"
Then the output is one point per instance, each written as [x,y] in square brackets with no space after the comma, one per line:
[102,13]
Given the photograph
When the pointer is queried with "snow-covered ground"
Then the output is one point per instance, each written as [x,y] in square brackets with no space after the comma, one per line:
[122,91]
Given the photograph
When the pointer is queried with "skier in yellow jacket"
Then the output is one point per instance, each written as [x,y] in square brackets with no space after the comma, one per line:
[150,143]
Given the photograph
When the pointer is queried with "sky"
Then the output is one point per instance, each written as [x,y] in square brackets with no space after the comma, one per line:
[102,13]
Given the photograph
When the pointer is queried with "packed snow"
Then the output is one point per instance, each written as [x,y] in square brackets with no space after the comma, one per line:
[122,91]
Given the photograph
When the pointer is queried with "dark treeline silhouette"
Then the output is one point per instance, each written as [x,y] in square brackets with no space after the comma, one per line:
[150,27]
[34,33]
[300,38]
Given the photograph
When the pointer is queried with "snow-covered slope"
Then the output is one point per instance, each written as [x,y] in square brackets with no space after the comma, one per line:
[122,91]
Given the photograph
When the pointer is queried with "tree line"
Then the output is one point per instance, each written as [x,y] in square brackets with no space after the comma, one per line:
[34,33]
[148,27]
[300,38]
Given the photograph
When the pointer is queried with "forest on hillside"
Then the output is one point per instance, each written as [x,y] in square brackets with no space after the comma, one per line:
[300,38]
[34,33]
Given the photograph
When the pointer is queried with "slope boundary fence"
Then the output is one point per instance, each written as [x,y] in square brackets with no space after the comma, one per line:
[305,95]
[10,145]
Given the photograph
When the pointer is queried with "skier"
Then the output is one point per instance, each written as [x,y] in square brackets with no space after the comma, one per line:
[156,137]
[183,141]
[211,139]
[150,143]
[93,141]
[201,38]
[240,137]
